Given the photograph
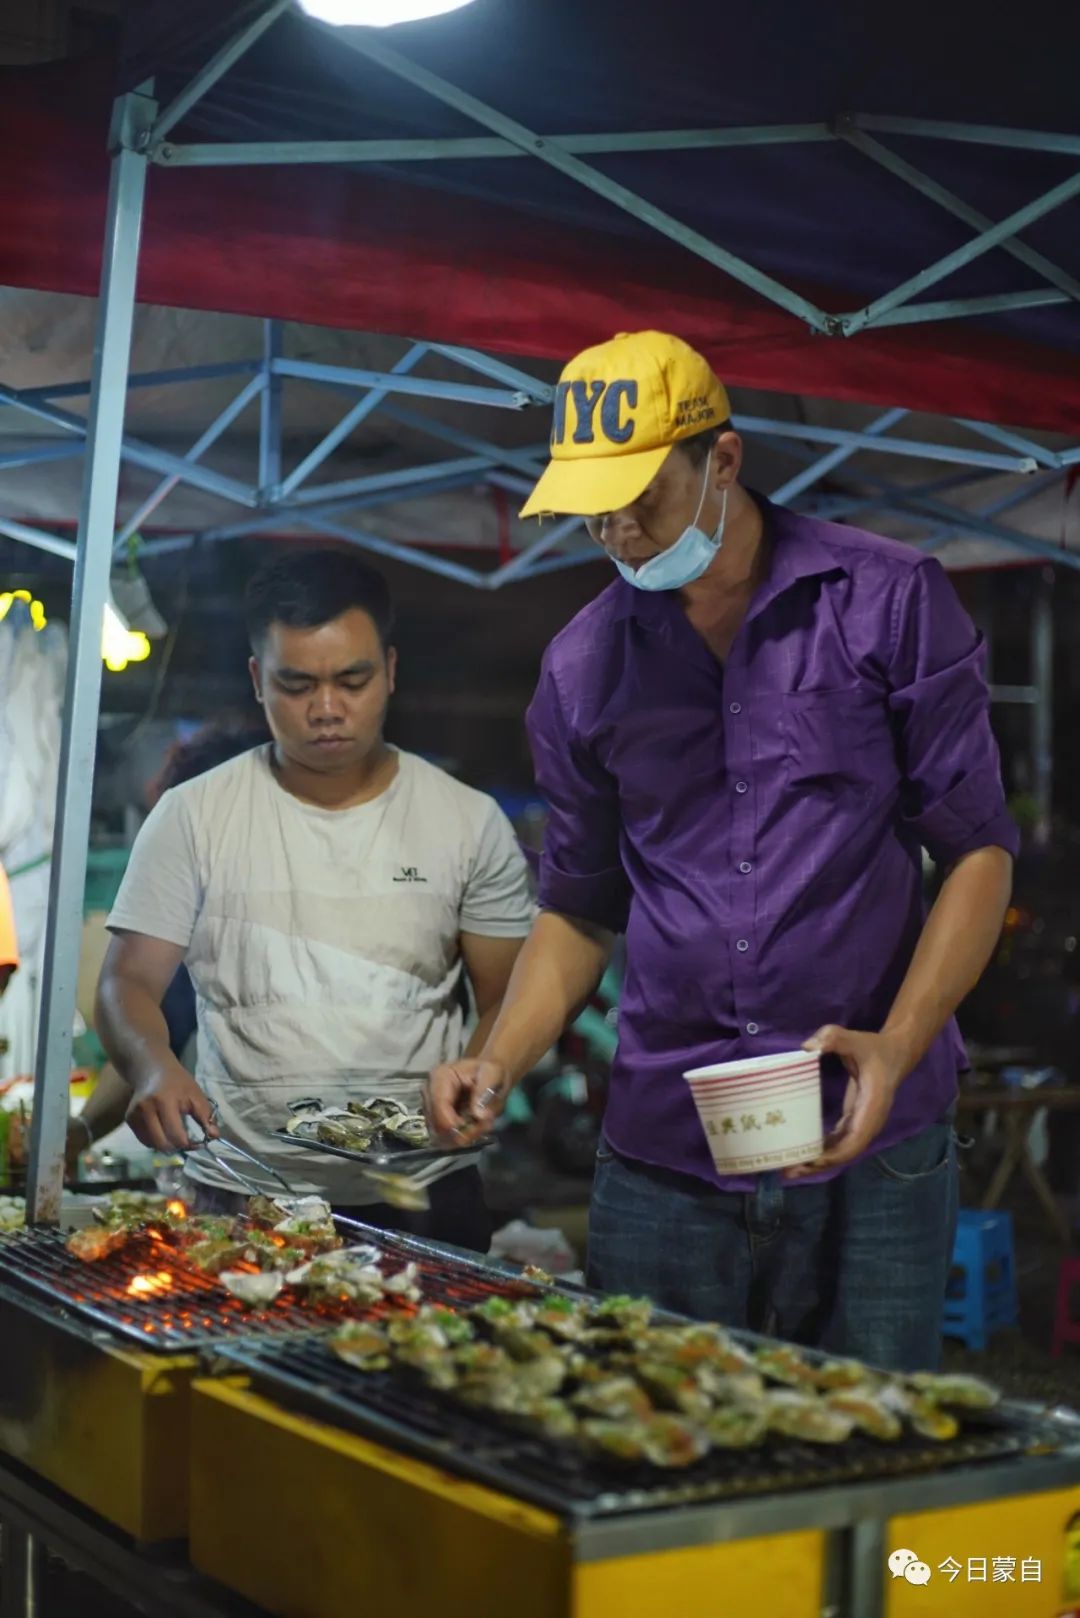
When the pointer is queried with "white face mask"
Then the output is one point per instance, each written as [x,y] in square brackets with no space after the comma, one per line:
[684,561]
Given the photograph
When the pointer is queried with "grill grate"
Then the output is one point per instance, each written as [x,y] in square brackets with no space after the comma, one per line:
[401,1411]
[195,1312]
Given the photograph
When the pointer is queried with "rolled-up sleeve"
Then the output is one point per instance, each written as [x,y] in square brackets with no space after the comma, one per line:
[581,871]
[953,797]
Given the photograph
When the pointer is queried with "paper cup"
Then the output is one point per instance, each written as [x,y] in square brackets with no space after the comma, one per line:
[764,1113]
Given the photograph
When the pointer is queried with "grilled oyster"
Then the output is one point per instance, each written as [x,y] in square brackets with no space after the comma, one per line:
[352,1134]
[671,1388]
[362,1345]
[956,1392]
[309,1237]
[616,1398]
[621,1314]
[213,1255]
[800,1415]
[378,1109]
[404,1286]
[930,1421]
[254,1289]
[841,1374]
[551,1417]
[564,1318]
[782,1363]
[925,1417]
[731,1387]
[617,1440]
[455,1328]
[738,1426]
[500,1314]
[522,1344]
[511,1390]
[669,1441]
[867,1410]
[408,1129]
[131,1209]
[98,1241]
[479,1360]
[266,1211]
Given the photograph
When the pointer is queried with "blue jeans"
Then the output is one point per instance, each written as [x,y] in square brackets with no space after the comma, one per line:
[857,1265]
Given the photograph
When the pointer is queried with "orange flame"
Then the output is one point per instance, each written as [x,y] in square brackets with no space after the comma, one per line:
[177,1209]
[147,1286]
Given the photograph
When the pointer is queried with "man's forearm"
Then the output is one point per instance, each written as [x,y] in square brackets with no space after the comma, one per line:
[131,1026]
[560,965]
[107,1107]
[956,943]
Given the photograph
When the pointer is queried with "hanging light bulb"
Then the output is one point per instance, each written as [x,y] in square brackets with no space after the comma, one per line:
[377,13]
[119,644]
[34,607]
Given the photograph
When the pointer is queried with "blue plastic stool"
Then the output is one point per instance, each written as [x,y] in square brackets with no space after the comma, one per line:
[981,1294]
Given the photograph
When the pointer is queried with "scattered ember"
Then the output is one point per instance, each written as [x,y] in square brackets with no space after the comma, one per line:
[147,1286]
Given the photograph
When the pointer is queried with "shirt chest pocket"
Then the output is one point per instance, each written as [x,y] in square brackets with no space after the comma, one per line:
[837,741]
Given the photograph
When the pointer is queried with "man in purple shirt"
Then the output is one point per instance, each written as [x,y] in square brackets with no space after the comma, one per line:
[746,741]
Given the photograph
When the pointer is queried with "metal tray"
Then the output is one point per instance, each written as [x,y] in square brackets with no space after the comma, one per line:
[388,1157]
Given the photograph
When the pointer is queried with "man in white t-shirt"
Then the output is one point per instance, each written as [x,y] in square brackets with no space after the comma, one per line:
[326,892]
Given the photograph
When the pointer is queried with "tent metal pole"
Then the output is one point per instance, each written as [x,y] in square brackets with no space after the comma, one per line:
[217,67]
[877,153]
[550,152]
[530,462]
[39,457]
[1010,440]
[36,537]
[1020,140]
[253,153]
[409,480]
[997,303]
[138,453]
[912,448]
[348,424]
[803,480]
[133,115]
[270,410]
[497,370]
[399,553]
[274,519]
[1018,220]
[418,386]
[219,425]
[143,379]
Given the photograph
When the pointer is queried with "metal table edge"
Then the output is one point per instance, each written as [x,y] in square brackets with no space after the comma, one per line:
[831,1507]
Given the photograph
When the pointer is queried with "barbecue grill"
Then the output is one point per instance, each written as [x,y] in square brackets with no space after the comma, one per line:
[389,1490]
[95,1384]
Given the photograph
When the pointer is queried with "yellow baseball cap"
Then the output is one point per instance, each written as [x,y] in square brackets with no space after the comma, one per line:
[619,407]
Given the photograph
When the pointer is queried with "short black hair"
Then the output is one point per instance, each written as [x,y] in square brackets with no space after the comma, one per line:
[307,588]
[699,445]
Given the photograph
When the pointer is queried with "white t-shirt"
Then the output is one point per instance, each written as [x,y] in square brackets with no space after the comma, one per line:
[323,944]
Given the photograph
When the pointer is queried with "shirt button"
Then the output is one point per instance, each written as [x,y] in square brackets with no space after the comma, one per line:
[736,707]
[752,1028]
[745,867]
[741,786]
[742,946]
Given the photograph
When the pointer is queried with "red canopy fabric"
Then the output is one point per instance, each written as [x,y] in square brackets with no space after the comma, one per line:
[333,247]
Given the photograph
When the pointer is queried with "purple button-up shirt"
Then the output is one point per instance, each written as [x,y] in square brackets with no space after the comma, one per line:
[756,829]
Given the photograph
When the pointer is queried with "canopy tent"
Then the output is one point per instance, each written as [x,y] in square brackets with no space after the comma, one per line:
[527,239]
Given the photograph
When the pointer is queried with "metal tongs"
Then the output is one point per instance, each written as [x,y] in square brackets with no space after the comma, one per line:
[218,1151]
